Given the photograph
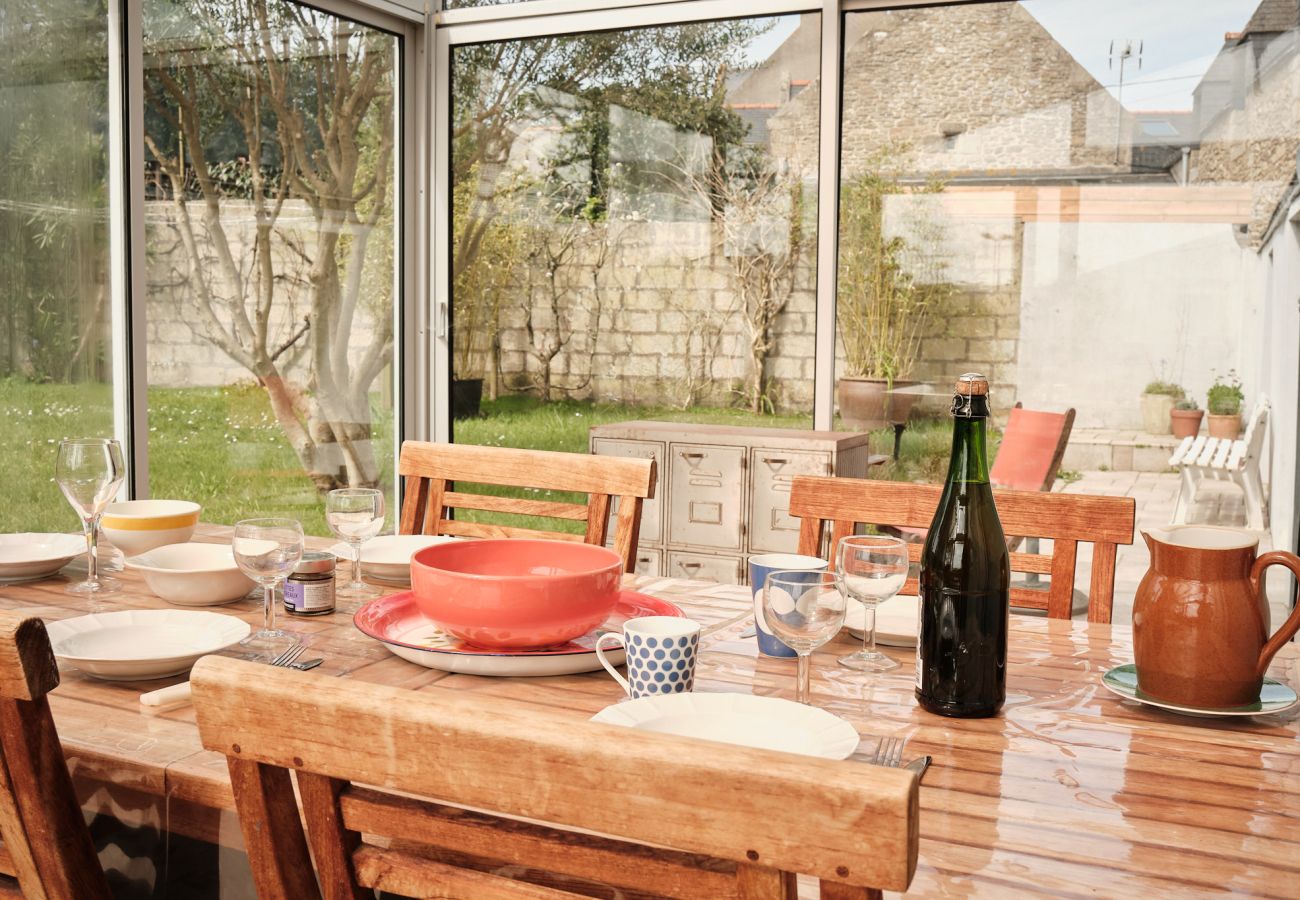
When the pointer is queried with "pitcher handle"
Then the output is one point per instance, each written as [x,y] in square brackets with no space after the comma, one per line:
[1292,624]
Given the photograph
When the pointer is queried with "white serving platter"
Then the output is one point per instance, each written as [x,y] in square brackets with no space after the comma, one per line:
[768,723]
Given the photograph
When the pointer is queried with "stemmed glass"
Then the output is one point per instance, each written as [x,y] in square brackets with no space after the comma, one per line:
[267,550]
[355,515]
[89,471]
[871,569]
[804,609]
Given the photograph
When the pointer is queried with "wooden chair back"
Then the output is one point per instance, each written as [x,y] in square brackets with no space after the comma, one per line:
[841,504]
[47,846]
[449,779]
[431,470]
[1033,445]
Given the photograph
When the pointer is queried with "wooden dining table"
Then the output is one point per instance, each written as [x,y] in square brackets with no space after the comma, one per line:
[1070,791]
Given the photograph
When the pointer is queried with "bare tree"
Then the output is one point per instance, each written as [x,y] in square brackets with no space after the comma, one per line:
[311,99]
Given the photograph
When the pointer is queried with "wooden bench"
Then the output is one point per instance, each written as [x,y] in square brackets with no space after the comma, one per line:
[1224,459]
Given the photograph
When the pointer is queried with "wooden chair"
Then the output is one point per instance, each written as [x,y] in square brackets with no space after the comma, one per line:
[1067,519]
[429,470]
[46,844]
[682,818]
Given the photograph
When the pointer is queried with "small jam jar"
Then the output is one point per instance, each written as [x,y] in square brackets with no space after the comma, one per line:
[309,591]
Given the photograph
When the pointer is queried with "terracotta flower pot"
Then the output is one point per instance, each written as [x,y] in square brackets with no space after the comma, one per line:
[1225,426]
[1185,423]
[1155,413]
[865,403]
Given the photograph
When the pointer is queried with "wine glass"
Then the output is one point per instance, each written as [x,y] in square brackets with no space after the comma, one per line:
[805,609]
[89,471]
[355,515]
[871,569]
[267,550]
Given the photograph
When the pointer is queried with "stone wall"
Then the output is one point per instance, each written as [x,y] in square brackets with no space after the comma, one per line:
[973,89]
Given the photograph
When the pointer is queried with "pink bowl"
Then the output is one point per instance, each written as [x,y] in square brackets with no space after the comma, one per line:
[516,594]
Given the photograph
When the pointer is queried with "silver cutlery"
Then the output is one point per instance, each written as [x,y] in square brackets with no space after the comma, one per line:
[291,653]
[178,695]
[889,752]
[918,765]
[306,664]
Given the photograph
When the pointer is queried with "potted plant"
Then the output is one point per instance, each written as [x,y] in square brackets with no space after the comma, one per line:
[1157,403]
[1224,405]
[889,291]
[1185,418]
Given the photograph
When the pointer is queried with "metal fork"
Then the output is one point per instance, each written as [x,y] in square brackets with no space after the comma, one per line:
[290,655]
[889,752]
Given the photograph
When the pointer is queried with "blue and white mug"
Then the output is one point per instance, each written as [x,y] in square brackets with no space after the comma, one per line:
[759,568]
[661,653]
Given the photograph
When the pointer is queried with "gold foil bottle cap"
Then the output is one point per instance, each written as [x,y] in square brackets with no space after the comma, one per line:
[972,384]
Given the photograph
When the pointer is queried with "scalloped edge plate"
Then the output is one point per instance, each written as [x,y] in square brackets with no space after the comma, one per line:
[178,637]
[38,555]
[1274,696]
[766,723]
[896,620]
[397,622]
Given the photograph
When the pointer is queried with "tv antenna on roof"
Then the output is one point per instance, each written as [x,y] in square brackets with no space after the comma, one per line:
[1123,49]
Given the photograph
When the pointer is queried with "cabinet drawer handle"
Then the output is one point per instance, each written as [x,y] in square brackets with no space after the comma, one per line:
[685,455]
[773,461]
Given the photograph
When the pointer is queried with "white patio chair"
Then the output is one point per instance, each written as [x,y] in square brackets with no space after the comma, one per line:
[1223,459]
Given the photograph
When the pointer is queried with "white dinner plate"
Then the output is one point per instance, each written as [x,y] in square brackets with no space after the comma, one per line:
[768,723]
[27,556]
[896,620]
[138,644]
[387,558]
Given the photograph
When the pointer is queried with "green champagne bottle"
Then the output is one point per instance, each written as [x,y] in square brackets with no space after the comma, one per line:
[961,650]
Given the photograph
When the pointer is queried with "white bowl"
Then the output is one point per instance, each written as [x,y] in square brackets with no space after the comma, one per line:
[135,526]
[139,644]
[388,557]
[28,556]
[192,574]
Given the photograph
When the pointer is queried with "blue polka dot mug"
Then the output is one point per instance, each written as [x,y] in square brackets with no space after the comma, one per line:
[661,654]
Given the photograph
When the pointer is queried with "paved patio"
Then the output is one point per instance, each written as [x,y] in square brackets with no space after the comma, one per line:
[1218,503]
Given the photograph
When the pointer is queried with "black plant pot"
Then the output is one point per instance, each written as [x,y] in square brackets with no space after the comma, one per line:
[466,398]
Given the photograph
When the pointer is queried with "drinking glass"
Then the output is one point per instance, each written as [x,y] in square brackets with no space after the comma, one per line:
[871,569]
[267,550]
[355,515]
[804,609]
[89,471]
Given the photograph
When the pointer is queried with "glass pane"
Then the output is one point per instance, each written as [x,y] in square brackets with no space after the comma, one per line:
[272,253]
[55,353]
[1091,203]
[635,233]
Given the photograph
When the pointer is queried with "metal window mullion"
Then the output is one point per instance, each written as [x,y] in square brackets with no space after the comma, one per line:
[415,301]
[828,213]
[126,240]
[613,18]
[438,307]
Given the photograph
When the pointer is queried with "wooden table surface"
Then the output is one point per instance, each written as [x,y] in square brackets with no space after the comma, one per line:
[1071,791]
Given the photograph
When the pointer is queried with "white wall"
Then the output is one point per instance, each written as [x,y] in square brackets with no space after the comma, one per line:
[1108,306]
[1278,338]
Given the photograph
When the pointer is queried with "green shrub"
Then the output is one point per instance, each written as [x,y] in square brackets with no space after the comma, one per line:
[1186,403]
[1166,388]
[1224,397]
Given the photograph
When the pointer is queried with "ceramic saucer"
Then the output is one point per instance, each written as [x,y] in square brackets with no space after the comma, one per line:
[397,622]
[1273,697]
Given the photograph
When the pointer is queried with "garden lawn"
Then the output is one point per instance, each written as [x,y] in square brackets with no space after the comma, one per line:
[221,447]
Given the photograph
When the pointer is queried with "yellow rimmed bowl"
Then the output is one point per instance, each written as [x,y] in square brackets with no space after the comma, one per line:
[137,526]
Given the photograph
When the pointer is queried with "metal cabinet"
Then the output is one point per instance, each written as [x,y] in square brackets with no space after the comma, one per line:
[724,491]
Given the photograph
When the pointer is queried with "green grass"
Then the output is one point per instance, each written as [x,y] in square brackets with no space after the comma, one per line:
[221,447]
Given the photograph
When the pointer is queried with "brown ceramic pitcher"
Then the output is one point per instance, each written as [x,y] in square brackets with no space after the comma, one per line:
[1200,618]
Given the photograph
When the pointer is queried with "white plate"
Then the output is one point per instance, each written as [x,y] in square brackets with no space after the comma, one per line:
[138,644]
[896,620]
[768,723]
[388,557]
[29,556]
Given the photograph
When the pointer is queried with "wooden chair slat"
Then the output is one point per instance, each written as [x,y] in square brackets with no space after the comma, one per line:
[1066,519]
[853,824]
[617,863]
[409,875]
[332,843]
[550,509]
[763,883]
[832,891]
[461,528]
[273,835]
[1101,592]
[46,843]
[442,472]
